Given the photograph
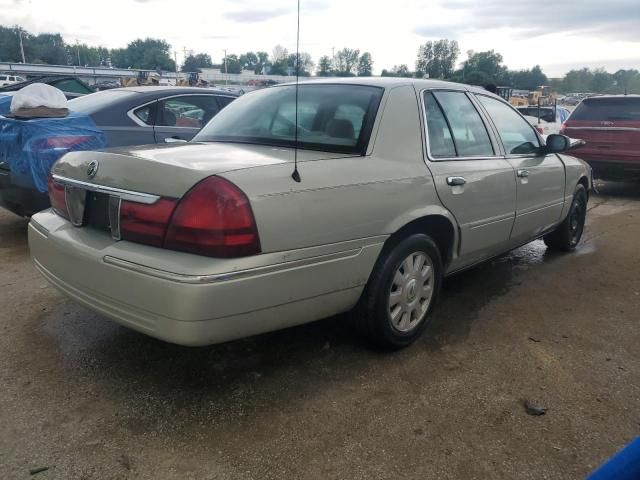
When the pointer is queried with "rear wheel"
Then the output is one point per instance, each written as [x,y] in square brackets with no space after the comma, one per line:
[395,306]
[567,235]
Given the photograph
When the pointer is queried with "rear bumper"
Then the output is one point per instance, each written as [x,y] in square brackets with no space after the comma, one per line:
[19,200]
[614,170]
[191,308]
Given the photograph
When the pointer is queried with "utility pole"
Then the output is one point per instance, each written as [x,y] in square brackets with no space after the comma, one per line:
[175,60]
[226,71]
[78,50]
[333,57]
[21,45]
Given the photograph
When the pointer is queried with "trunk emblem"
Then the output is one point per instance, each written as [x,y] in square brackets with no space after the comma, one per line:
[92,169]
[607,124]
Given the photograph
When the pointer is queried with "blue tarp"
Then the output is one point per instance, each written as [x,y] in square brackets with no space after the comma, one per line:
[5,104]
[31,147]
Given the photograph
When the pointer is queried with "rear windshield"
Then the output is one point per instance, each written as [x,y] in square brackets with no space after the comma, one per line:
[89,104]
[546,114]
[608,109]
[334,118]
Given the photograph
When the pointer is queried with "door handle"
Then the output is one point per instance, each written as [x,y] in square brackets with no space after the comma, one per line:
[523,173]
[455,181]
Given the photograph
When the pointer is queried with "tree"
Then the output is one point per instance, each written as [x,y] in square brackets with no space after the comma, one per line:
[278,53]
[325,68]
[529,79]
[437,59]
[488,66]
[193,63]
[147,54]
[398,71]
[346,62]
[231,64]
[365,65]
[263,62]
[249,61]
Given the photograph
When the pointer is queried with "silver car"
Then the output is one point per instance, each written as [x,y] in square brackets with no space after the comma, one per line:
[394,184]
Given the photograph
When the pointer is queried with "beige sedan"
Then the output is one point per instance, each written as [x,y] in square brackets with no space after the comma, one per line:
[361,196]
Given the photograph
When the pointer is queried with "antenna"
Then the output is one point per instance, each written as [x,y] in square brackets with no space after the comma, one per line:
[296,175]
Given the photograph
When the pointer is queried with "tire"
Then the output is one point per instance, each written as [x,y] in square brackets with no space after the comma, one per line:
[413,284]
[567,235]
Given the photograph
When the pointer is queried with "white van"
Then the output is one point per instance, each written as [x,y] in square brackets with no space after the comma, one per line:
[6,79]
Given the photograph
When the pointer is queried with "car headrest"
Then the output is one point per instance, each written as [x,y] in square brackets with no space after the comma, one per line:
[169,118]
[340,128]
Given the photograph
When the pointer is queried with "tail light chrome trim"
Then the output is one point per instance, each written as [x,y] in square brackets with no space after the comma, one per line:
[130,195]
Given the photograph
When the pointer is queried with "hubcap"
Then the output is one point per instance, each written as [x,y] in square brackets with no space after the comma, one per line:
[411,292]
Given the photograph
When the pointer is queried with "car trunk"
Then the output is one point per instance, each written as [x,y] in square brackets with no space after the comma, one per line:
[91,185]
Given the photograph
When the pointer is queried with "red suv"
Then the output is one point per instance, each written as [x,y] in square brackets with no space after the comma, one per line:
[611,127]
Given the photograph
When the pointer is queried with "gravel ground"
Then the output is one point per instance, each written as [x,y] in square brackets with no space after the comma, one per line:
[91,400]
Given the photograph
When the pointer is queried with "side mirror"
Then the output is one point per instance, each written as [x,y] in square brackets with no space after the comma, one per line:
[174,140]
[557,143]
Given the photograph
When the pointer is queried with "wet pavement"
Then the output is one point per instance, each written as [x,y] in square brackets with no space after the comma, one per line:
[89,399]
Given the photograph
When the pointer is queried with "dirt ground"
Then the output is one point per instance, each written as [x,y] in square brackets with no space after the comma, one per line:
[90,399]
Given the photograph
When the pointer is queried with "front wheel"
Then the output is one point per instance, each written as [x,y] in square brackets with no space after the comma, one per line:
[567,235]
[403,288]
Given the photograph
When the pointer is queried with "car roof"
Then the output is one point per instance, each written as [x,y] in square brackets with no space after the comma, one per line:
[608,97]
[162,89]
[388,82]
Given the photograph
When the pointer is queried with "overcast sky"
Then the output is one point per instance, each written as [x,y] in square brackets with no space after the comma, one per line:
[557,34]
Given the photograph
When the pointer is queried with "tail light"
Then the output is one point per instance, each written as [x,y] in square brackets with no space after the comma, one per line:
[563,129]
[145,223]
[539,129]
[57,197]
[67,142]
[214,219]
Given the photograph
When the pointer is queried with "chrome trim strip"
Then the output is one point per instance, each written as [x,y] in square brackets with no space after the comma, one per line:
[114,216]
[130,195]
[228,276]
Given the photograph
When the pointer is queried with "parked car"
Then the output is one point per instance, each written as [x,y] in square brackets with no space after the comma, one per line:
[551,118]
[71,86]
[610,126]
[145,115]
[7,79]
[380,189]
[106,85]
[127,116]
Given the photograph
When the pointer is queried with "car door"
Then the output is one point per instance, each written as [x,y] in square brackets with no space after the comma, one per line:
[120,133]
[181,117]
[540,177]
[472,178]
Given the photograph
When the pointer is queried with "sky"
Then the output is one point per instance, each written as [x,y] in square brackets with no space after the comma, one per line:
[557,34]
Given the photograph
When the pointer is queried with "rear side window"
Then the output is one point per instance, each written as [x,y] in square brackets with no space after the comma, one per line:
[608,109]
[517,135]
[466,128]
[224,101]
[191,111]
[440,139]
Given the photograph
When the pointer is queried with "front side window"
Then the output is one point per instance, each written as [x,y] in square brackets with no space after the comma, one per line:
[467,130]
[329,117]
[517,135]
[187,111]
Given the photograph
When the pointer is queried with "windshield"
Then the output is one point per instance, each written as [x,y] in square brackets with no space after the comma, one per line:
[93,102]
[608,109]
[335,118]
